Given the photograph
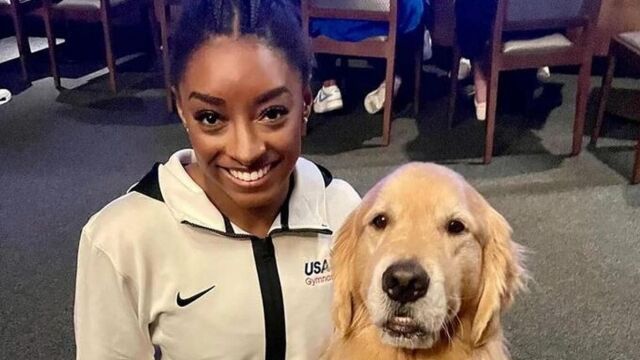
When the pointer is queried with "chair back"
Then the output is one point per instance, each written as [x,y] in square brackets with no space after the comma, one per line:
[363,10]
[547,14]
[368,5]
[526,10]
[372,10]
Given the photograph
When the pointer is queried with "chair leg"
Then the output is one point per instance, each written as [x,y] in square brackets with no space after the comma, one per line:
[607,79]
[635,178]
[51,40]
[584,83]
[388,101]
[155,31]
[418,72]
[492,102]
[453,88]
[23,44]
[161,12]
[111,61]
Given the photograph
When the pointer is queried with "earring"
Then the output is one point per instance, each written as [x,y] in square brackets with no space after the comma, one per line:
[306,119]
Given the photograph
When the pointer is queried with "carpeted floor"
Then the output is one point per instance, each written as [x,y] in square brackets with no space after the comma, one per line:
[63,155]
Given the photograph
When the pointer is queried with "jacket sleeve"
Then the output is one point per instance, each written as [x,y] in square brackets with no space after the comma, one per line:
[106,322]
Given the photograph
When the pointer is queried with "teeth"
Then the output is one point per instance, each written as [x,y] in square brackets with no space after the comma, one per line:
[402,320]
[250,176]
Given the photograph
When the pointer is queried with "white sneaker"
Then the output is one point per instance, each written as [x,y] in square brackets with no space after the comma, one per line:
[328,99]
[465,69]
[543,74]
[5,96]
[427,49]
[481,110]
[374,101]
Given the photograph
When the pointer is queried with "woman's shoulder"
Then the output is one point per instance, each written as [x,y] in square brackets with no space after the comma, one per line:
[339,199]
[126,218]
[335,188]
[341,190]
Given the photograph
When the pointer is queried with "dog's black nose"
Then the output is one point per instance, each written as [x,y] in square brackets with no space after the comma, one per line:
[405,281]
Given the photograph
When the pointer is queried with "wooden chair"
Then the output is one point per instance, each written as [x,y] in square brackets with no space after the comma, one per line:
[384,48]
[91,11]
[16,9]
[577,16]
[443,34]
[162,9]
[623,47]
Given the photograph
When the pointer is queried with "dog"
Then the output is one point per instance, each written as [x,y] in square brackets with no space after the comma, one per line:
[423,269]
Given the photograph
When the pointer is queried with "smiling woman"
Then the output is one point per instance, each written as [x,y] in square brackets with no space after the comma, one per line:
[244,115]
[207,255]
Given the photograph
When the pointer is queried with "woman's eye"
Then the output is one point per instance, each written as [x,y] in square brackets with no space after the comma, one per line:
[274,113]
[208,117]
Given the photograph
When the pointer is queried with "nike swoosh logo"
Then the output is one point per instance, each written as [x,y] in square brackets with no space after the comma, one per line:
[184,302]
[322,96]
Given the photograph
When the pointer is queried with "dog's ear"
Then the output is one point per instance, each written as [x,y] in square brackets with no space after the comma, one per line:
[342,269]
[502,274]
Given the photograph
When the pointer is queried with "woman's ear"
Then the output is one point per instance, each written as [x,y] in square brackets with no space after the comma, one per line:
[176,95]
[308,100]
[307,96]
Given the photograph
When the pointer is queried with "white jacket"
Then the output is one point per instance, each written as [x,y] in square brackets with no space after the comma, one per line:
[162,267]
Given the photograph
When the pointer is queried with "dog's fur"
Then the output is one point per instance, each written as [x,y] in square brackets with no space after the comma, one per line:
[473,275]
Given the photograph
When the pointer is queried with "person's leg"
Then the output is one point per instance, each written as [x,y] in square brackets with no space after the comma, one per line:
[404,69]
[473,29]
[480,83]
[329,97]
[325,69]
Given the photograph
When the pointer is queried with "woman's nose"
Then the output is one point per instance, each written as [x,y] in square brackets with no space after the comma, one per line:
[246,146]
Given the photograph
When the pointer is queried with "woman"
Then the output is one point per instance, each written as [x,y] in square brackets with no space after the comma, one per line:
[410,19]
[222,251]
[474,21]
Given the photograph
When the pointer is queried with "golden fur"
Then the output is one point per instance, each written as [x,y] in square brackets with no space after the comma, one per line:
[474,275]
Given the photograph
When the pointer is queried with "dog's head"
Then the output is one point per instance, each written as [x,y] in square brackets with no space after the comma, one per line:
[421,250]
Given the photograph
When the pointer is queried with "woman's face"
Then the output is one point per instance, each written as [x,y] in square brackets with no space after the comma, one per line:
[243,106]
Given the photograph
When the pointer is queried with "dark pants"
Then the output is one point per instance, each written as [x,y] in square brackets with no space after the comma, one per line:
[325,68]
[474,19]
[473,25]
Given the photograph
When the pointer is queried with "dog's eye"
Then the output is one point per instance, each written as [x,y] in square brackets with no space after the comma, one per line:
[456,227]
[380,222]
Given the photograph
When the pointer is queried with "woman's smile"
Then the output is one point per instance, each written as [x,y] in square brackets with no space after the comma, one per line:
[251,178]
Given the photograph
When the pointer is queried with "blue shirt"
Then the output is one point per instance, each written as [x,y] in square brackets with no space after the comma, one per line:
[409,17]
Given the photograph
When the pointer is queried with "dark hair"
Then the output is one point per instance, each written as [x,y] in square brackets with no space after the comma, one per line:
[276,22]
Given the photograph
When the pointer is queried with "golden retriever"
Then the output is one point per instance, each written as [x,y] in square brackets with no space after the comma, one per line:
[422,270]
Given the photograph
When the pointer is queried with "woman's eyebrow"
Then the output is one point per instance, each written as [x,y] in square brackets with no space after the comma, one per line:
[271,94]
[209,99]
